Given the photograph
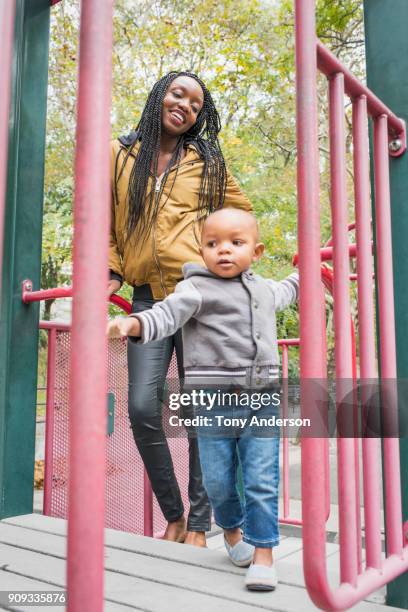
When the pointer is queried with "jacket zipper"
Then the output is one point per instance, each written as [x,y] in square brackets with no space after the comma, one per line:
[156,259]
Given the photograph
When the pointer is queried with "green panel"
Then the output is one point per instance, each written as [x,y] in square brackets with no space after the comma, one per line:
[22,256]
[111,413]
[386,23]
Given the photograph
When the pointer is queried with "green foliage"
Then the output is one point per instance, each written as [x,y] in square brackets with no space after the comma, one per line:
[57,238]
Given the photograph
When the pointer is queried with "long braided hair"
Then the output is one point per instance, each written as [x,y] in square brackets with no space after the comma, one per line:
[203,135]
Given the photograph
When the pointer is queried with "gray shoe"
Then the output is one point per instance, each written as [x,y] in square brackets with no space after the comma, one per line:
[241,554]
[261,578]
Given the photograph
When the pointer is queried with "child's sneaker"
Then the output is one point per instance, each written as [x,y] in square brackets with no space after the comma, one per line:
[261,578]
[241,554]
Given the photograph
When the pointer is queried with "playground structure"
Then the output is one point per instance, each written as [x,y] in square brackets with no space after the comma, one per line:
[88,430]
[125,477]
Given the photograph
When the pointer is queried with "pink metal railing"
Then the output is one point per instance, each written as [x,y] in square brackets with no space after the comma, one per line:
[85,555]
[286,518]
[56,451]
[372,446]
[28,295]
[356,582]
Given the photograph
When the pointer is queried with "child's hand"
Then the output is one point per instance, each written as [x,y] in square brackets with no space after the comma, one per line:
[120,327]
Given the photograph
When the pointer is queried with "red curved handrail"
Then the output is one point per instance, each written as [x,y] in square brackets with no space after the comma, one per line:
[28,295]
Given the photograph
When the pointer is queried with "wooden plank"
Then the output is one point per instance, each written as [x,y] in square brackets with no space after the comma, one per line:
[149,546]
[172,570]
[121,591]
[14,582]
[190,580]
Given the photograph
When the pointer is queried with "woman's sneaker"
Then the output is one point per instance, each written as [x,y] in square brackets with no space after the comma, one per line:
[241,554]
[261,578]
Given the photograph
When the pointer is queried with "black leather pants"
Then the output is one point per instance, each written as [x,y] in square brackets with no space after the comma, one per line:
[148,365]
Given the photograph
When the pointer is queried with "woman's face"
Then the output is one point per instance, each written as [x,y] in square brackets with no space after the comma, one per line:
[181,105]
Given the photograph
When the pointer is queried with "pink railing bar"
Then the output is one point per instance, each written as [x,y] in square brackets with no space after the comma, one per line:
[356,411]
[329,65]
[148,528]
[43,294]
[286,518]
[326,253]
[28,295]
[7,13]
[371,447]
[88,385]
[342,314]
[285,442]
[57,325]
[288,342]
[387,335]
[49,416]
[312,361]
[350,227]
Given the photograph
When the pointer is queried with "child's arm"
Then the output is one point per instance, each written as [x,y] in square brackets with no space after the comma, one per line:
[285,291]
[120,327]
[163,320]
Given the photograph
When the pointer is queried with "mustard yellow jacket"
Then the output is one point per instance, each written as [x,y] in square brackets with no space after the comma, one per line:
[174,238]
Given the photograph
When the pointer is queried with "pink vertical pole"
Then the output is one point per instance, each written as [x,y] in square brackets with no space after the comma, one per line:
[88,391]
[49,421]
[285,466]
[7,13]
[326,439]
[356,445]
[387,334]
[343,348]
[312,361]
[368,371]
[147,506]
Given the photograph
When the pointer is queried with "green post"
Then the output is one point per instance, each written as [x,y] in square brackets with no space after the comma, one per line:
[22,256]
[387,75]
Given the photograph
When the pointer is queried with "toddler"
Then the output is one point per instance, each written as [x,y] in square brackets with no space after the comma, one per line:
[227,315]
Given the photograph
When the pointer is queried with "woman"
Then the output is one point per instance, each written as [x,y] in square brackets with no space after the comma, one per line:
[167,176]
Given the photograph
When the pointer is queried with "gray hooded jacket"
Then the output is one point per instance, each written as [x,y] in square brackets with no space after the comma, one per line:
[228,325]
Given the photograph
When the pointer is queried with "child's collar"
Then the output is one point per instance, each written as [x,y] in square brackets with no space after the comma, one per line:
[195,269]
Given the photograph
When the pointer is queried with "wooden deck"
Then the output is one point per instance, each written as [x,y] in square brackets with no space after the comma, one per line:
[152,575]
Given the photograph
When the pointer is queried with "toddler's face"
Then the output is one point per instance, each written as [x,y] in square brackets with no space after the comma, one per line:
[229,244]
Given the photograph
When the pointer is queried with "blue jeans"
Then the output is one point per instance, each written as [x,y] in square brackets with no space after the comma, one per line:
[257,514]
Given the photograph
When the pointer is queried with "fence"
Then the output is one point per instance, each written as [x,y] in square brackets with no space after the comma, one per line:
[130,505]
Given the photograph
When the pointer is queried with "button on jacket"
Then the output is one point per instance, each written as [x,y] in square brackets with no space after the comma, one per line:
[228,325]
[174,239]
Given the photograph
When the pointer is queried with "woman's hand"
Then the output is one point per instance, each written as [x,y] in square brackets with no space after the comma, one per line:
[120,327]
[113,286]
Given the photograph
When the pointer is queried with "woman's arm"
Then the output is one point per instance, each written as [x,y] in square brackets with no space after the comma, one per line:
[234,196]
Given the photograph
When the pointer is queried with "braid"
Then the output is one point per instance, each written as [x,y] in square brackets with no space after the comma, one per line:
[203,135]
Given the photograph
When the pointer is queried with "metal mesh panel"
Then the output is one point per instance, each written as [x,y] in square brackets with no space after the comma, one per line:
[124,467]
